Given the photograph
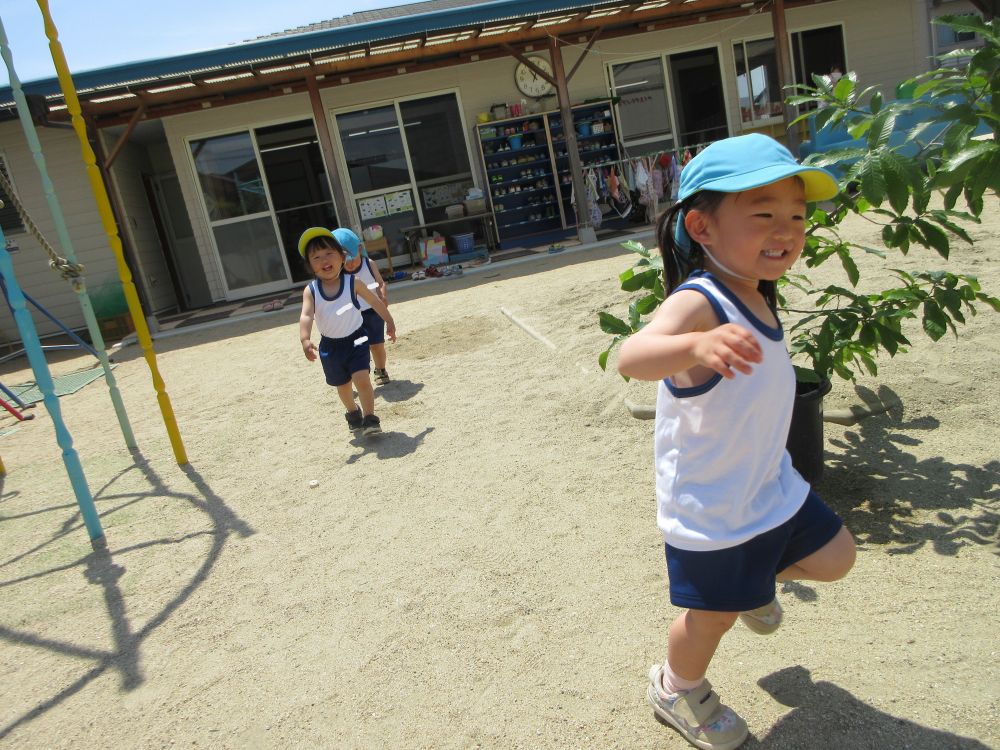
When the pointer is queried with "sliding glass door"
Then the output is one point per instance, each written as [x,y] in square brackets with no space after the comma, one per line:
[239,214]
[406,162]
[261,188]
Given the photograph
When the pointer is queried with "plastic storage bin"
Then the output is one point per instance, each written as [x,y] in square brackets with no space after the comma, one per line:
[463,243]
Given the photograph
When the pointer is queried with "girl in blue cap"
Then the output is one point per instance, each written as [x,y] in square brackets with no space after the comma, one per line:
[735,514]
[331,300]
[361,266]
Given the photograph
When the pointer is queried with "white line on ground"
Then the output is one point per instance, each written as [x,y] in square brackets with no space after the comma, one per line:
[527,329]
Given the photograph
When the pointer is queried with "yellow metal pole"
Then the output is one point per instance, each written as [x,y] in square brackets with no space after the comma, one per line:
[108,220]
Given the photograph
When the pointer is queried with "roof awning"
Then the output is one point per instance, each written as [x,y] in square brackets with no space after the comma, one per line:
[362,51]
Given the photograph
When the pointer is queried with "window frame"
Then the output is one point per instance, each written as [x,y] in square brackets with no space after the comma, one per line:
[753,122]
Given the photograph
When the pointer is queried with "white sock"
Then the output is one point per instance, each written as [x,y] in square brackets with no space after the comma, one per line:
[674,684]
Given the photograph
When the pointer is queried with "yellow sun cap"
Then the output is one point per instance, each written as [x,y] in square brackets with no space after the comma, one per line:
[311,234]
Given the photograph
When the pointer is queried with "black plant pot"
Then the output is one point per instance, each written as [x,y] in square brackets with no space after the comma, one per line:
[805,436]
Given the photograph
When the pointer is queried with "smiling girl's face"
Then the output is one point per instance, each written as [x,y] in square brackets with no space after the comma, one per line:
[326,260]
[758,233]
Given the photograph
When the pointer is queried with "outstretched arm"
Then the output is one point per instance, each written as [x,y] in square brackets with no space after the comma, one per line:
[378,306]
[306,324]
[685,333]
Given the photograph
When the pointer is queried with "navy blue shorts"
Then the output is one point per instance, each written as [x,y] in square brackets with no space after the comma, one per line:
[374,326]
[739,578]
[343,357]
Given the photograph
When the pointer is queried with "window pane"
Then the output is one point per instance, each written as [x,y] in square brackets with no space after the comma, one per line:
[373,148]
[296,179]
[438,152]
[701,108]
[819,52]
[762,74]
[229,176]
[642,109]
[249,253]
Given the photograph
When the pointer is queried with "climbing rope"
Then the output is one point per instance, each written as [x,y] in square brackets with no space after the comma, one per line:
[71,272]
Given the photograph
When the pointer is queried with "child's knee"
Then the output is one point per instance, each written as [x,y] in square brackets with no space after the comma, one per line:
[710,621]
[842,554]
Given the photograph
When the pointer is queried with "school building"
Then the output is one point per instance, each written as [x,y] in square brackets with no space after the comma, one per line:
[216,160]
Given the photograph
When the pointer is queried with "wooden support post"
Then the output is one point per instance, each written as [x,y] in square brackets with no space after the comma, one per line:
[326,147]
[585,232]
[123,138]
[583,55]
[786,75]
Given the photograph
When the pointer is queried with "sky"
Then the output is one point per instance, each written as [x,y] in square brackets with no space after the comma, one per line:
[101,33]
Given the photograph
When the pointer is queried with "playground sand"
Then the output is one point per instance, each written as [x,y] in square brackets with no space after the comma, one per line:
[487,572]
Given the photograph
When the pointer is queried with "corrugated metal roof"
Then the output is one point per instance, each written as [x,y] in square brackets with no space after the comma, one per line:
[278,48]
[367,16]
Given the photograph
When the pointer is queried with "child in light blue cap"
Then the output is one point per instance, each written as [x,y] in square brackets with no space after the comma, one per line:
[361,266]
[735,514]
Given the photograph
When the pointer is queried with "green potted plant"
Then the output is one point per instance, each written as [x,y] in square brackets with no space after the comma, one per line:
[905,166]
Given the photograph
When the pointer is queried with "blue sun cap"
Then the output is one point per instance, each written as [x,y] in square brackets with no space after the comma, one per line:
[349,241]
[745,162]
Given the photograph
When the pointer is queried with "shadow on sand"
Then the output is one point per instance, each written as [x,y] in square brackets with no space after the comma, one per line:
[884,493]
[105,567]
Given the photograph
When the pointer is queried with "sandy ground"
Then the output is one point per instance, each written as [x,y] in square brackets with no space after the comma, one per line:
[487,573]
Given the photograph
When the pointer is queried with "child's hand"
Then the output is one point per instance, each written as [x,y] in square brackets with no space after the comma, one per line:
[727,348]
[390,330]
[309,349]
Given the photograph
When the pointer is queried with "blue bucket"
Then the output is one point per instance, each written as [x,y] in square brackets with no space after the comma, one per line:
[583,128]
[514,141]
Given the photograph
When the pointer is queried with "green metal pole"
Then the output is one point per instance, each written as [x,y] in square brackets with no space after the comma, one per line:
[78,283]
[33,348]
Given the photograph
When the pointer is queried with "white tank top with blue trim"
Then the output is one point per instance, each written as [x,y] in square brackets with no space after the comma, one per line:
[723,475]
[364,273]
[338,316]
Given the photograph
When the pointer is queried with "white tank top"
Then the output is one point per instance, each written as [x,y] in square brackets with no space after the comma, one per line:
[338,316]
[723,475]
[364,273]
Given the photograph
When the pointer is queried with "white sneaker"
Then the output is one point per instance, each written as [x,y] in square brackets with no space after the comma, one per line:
[697,714]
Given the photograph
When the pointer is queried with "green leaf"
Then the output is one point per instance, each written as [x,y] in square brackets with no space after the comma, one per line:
[850,267]
[636,247]
[951,196]
[973,150]
[872,180]
[613,325]
[895,182]
[643,280]
[935,322]
[991,301]
[935,237]
[602,359]
[647,304]
[881,129]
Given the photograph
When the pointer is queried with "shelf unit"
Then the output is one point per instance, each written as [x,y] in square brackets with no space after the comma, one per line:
[597,144]
[526,166]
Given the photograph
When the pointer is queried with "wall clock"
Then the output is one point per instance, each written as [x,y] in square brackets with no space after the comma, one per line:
[528,82]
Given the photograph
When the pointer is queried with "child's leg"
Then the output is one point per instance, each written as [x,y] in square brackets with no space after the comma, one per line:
[694,637]
[346,393]
[366,394]
[830,562]
[378,356]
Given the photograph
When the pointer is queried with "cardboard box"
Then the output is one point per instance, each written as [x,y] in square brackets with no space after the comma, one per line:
[475,206]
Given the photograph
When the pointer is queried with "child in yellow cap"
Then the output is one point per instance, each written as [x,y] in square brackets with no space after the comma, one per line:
[331,301]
